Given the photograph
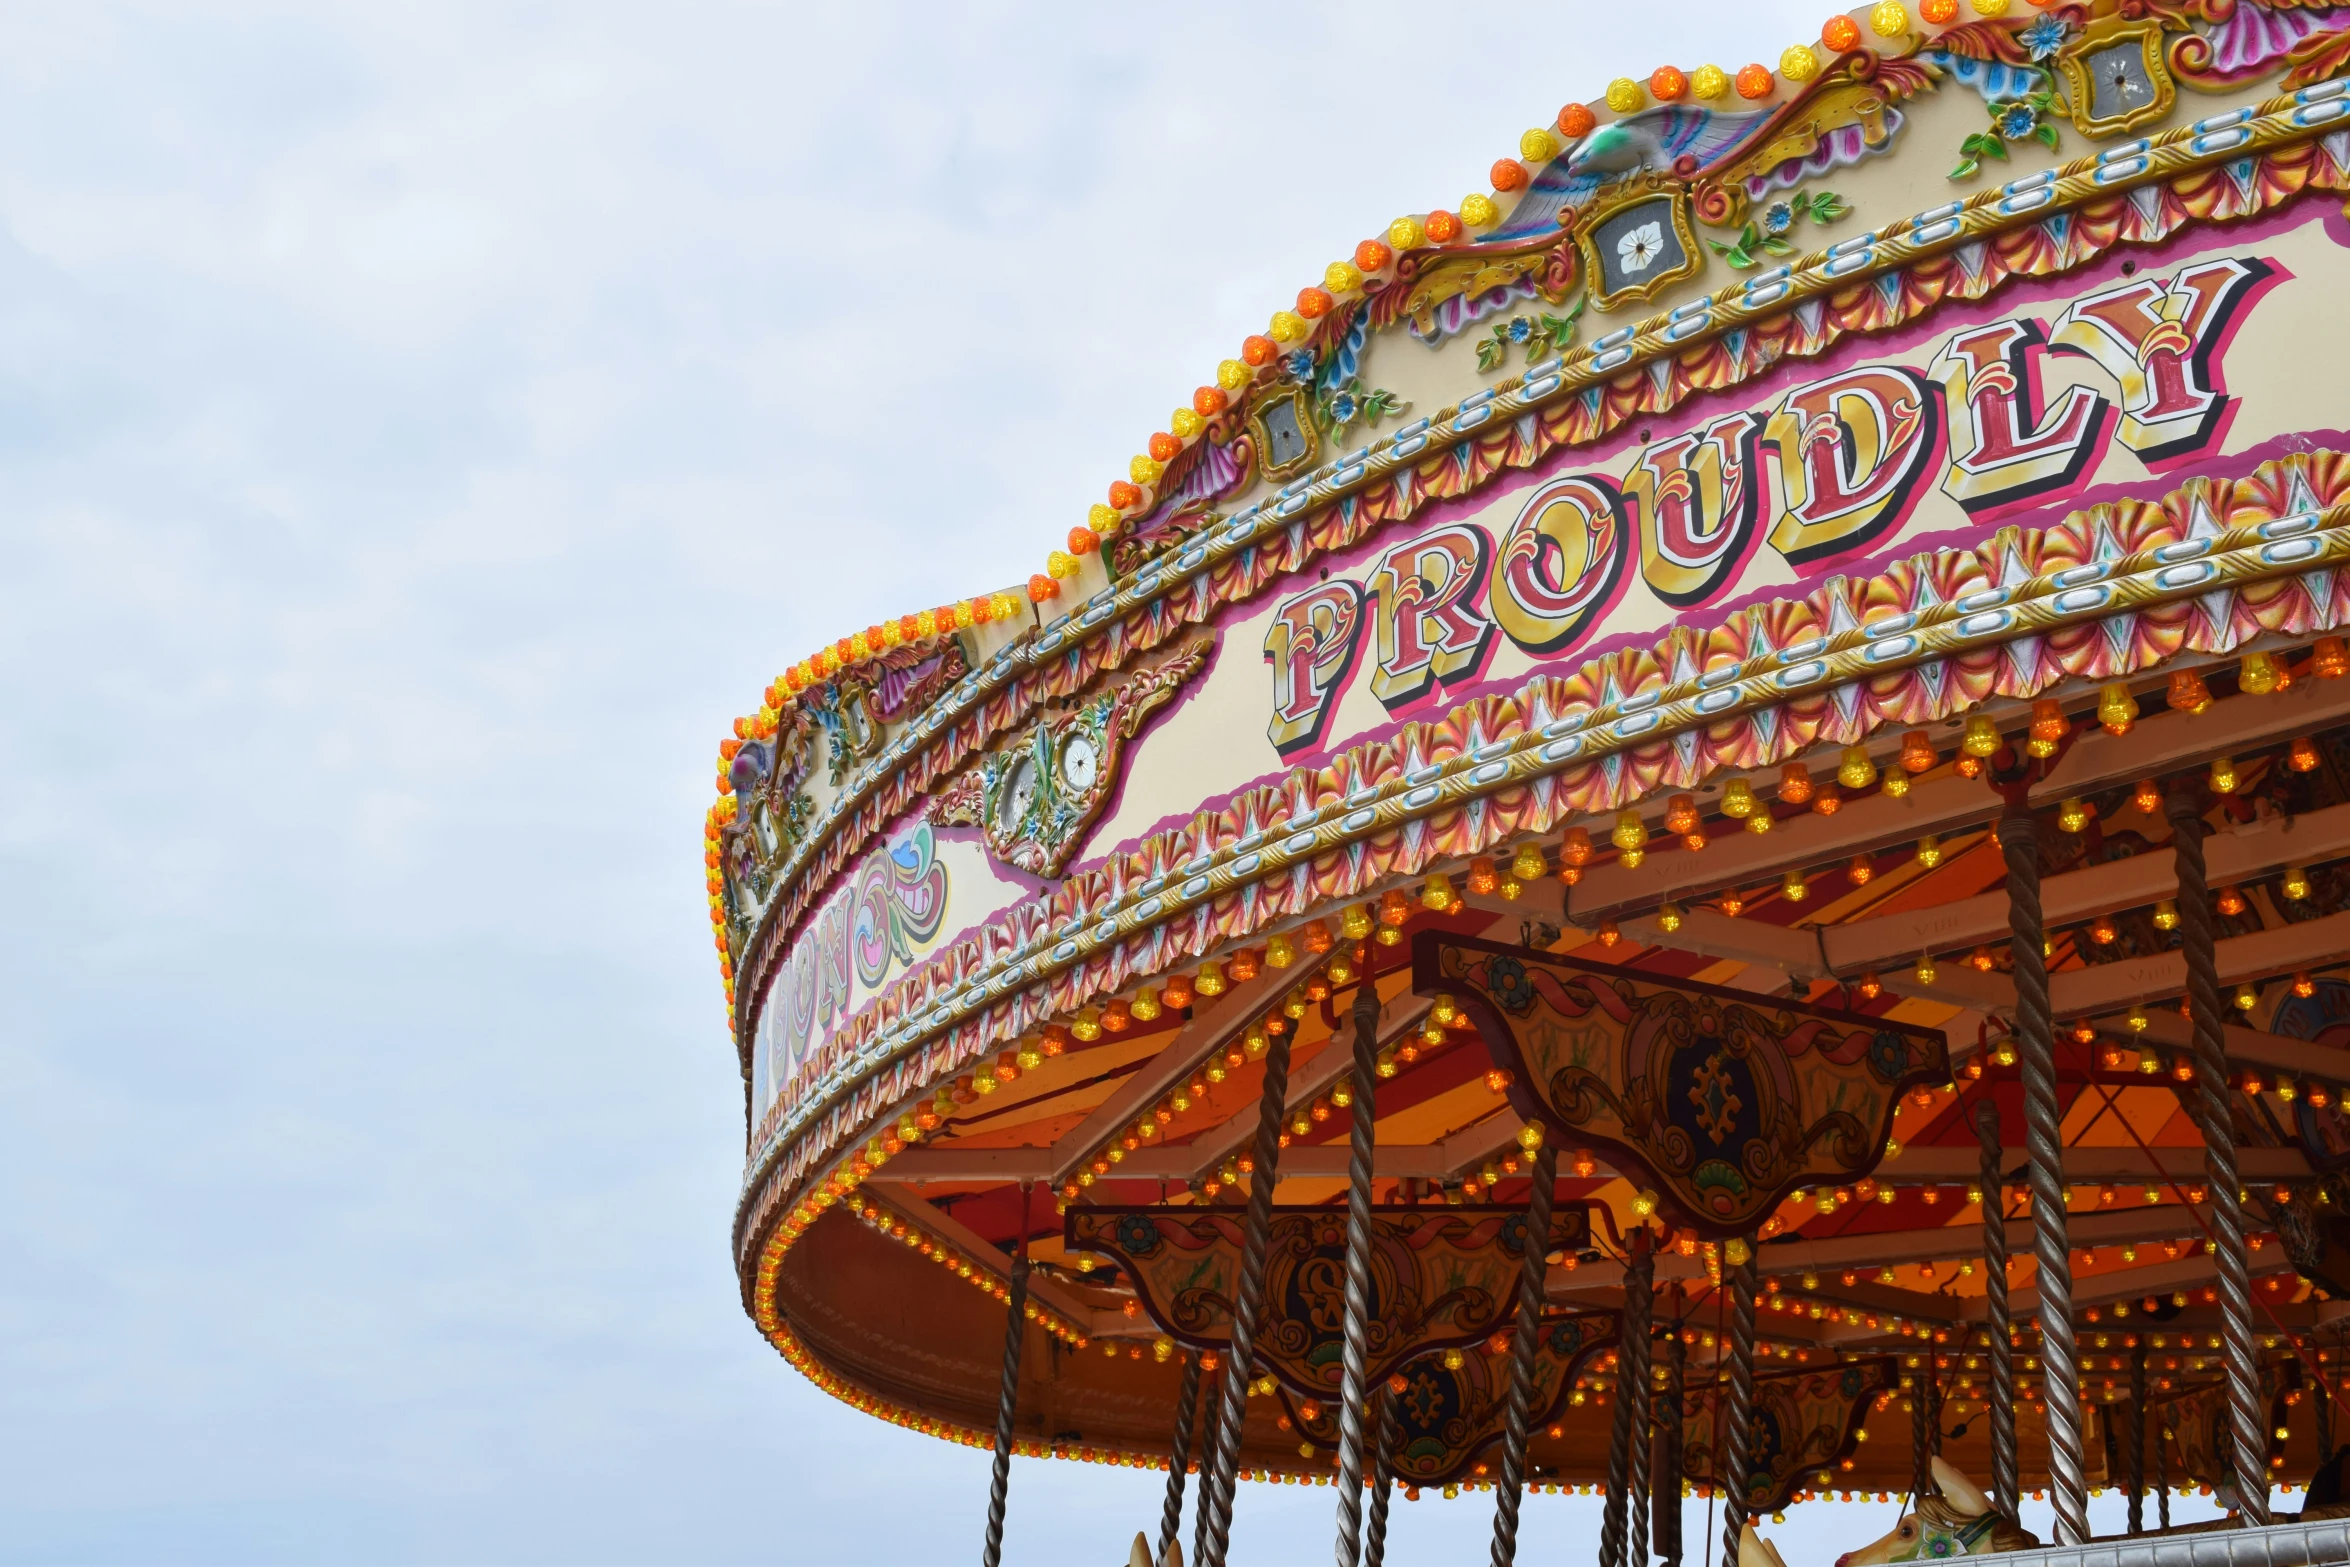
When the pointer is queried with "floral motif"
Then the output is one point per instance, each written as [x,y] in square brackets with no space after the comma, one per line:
[1889,1057]
[1637,250]
[1506,982]
[1767,234]
[1298,365]
[2030,118]
[2044,37]
[1342,406]
[1537,335]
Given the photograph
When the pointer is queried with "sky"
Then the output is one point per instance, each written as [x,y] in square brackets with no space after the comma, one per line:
[422,429]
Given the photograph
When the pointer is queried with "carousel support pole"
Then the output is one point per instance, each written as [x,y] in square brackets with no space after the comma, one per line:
[2137,1458]
[1639,1326]
[1666,1444]
[2162,1479]
[1382,1489]
[2325,1422]
[1217,1485]
[2005,1489]
[1008,1395]
[1612,1516]
[1544,1178]
[1921,1451]
[2019,842]
[1738,1403]
[2111,1437]
[1358,1275]
[1179,1460]
[1211,1391]
[2183,805]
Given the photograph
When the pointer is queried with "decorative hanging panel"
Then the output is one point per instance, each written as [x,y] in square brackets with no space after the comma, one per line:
[1802,1423]
[1726,1100]
[1447,1416]
[1440,1277]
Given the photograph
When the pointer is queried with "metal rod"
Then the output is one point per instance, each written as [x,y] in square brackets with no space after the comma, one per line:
[1375,1536]
[2182,803]
[2162,1478]
[1179,1460]
[1199,1510]
[1544,1177]
[1619,1440]
[2137,1472]
[2111,1438]
[2019,842]
[1358,1274]
[1921,1451]
[1738,1402]
[1640,1320]
[1665,1487]
[1216,1492]
[1008,1396]
[2006,1491]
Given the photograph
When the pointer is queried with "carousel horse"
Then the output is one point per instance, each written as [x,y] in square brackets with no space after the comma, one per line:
[1960,1521]
[1140,1556]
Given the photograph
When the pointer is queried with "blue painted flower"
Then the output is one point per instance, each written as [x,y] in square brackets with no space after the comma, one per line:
[1519,330]
[1888,1056]
[2044,37]
[2018,120]
[1778,217]
[1137,1236]
[1506,981]
[1344,407]
[1299,366]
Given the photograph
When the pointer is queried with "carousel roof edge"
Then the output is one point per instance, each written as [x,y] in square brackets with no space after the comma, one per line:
[1045,653]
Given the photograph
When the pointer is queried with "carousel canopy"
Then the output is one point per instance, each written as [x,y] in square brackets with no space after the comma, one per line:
[1717,780]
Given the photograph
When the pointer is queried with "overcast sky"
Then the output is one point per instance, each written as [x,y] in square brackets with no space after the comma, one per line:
[421,430]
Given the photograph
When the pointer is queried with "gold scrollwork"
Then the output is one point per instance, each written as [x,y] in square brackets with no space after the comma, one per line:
[1304,447]
[2130,104]
[1671,198]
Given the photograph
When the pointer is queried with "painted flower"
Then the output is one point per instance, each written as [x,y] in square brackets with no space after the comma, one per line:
[1778,217]
[1345,407]
[2018,120]
[1888,1056]
[1505,979]
[1519,330]
[1638,250]
[1137,1236]
[1299,366]
[2044,37]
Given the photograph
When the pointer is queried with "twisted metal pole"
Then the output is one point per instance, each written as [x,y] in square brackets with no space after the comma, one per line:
[2137,1470]
[2246,1419]
[1358,1274]
[1375,1537]
[2006,1491]
[1619,1440]
[1921,1471]
[2162,1479]
[1199,1511]
[1186,1416]
[2019,843]
[1666,1462]
[1216,1490]
[1544,1176]
[1640,1322]
[1008,1396]
[1738,1405]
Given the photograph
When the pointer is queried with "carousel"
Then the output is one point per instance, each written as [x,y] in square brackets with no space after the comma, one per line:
[1687,837]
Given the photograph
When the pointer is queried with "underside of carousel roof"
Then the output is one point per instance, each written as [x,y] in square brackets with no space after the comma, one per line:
[1783,671]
